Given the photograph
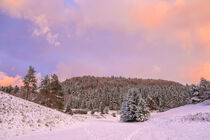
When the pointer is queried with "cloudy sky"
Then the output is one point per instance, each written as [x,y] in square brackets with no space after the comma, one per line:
[160,39]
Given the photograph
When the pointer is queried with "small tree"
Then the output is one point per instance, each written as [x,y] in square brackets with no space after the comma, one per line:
[101,107]
[30,81]
[106,110]
[83,104]
[9,89]
[68,110]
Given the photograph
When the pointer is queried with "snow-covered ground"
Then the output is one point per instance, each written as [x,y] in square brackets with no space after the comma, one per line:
[190,122]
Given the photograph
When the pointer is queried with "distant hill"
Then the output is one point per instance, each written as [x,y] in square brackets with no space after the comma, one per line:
[93,82]
[95,92]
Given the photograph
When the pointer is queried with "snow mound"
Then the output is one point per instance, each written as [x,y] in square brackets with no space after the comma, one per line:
[20,117]
[201,117]
[207,102]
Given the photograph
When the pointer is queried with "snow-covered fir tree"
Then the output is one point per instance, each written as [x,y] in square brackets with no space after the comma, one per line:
[133,107]
[142,113]
[127,112]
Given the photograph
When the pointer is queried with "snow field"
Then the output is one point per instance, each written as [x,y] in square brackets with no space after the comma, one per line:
[30,121]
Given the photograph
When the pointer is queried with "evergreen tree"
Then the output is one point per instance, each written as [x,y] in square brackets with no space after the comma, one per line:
[83,104]
[30,81]
[129,107]
[55,85]
[45,85]
[142,113]
[16,89]
[200,92]
[101,107]
[68,109]
[9,89]
[56,92]
[133,107]
[1,88]
[106,110]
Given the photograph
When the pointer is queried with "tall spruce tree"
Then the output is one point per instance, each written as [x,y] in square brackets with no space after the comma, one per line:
[56,91]
[129,107]
[30,81]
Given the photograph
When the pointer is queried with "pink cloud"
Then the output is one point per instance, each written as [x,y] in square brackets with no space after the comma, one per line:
[119,15]
[41,13]
[185,23]
[6,80]
[198,70]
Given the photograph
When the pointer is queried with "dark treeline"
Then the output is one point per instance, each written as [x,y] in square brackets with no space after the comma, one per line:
[100,93]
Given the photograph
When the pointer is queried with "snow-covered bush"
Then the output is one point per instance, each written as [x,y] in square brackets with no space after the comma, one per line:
[133,107]
[68,110]
[113,114]
[92,112]
[80,111]
[198,117]
[201,117]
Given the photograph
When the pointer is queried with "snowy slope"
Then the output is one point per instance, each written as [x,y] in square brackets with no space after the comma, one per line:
[20,117]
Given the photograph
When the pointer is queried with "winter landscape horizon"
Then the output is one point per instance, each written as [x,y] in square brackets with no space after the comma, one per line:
[104,70]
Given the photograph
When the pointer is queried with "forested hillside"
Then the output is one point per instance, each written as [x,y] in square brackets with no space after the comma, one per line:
[100,92]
